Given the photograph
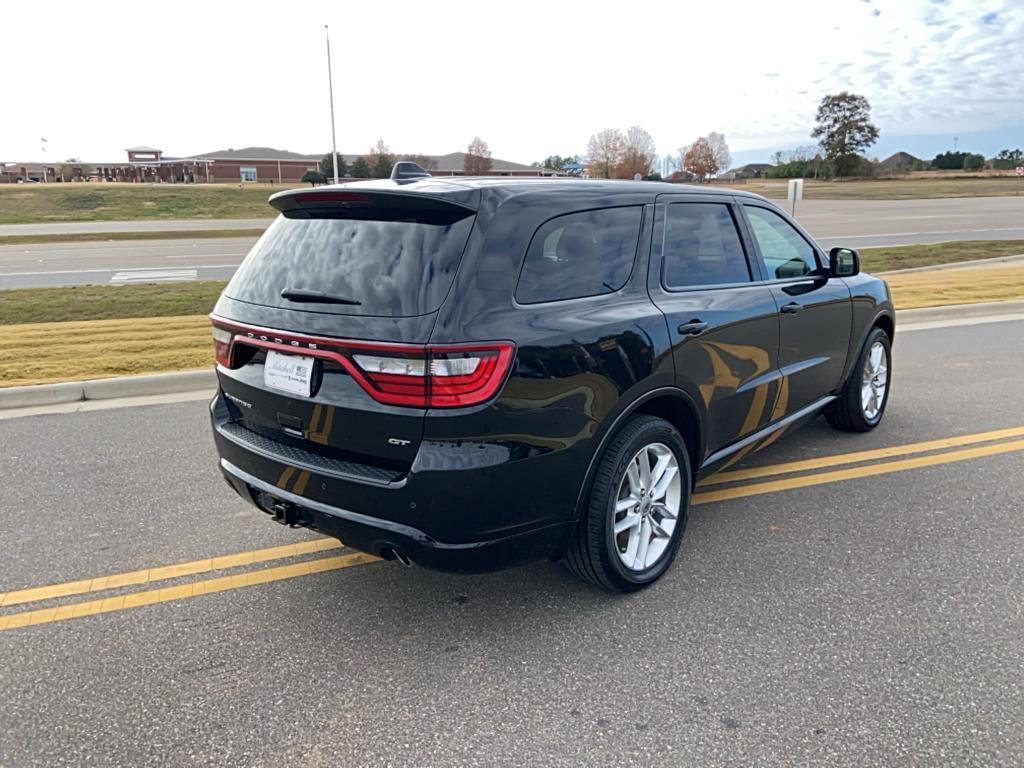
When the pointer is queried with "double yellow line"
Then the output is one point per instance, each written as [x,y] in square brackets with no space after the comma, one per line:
[805,473]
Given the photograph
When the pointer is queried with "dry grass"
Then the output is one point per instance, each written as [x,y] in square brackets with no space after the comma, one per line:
[887,189]
[956,286]
[40,353]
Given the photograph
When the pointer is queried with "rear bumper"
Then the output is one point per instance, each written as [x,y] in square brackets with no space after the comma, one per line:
[383,537]
[482,512]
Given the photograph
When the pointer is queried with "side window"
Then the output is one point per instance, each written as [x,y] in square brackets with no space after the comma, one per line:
[785,252]
[702,246]
[580,254]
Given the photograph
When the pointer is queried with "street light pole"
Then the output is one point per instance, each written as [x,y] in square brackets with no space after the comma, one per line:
[330,89]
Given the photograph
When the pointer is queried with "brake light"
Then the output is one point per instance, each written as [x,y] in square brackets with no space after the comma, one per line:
[420,376]
[443,377]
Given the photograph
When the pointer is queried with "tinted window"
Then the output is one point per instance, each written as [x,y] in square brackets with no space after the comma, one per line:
[581,254]
[785,252]
[702,246]
[400,264]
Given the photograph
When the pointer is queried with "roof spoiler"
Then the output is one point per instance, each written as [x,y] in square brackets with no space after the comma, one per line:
[406,170]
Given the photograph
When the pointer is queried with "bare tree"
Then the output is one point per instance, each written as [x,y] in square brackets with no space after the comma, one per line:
[477,161]
[720,149]
[604,153]
[637,153]
[381,160]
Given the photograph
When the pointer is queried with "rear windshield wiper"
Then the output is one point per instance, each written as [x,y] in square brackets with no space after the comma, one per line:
[316,297]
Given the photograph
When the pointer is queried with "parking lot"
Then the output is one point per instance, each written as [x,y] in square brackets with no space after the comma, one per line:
[861,605]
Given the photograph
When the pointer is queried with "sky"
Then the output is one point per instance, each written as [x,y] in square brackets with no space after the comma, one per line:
[531,78]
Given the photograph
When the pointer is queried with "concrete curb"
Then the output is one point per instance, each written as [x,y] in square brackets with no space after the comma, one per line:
[105,389]
[973,263]
[959,312]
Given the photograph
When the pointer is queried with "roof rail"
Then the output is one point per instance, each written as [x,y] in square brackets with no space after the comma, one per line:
[406,170]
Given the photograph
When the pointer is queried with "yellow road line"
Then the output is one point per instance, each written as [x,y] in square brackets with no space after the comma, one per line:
[182,592]
[859,456]
[278,573]
[149,575]
[869,470]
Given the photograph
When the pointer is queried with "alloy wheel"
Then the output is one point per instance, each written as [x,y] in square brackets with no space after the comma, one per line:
[874,380]
[647,506]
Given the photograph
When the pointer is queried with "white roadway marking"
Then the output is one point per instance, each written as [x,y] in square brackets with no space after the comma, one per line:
[154,276]
[110,269]
[912,234]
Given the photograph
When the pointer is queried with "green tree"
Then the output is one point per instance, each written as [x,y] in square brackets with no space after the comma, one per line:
[843,130]
[560,163]
[313,177]
[950,161]
[360,168]
[1008,158]
[974,162]
[327,167]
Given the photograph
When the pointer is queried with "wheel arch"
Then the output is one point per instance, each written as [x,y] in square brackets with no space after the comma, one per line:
[886,322]
[670,403]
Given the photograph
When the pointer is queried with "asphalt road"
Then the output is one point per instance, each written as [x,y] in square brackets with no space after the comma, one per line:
[870,618]
[857,223]
[121,262]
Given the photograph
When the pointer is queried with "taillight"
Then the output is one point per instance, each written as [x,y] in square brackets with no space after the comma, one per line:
[222,345]
[443,377]
[461,377]
[421,376]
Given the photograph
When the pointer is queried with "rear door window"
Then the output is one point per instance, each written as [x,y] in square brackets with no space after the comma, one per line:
[580,254]
[390,262]
[785,252]
[702,246]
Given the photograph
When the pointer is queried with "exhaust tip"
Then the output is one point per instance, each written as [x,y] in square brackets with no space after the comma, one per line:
[392,553]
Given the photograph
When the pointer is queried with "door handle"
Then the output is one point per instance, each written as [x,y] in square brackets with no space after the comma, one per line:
[792,308]
[693,328]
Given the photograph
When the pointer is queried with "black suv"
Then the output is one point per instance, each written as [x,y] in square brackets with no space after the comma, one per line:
[468,373]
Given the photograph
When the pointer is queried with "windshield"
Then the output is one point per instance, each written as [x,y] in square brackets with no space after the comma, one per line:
[392,263]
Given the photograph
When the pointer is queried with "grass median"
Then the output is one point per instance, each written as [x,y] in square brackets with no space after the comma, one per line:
[67,334]
[42,203]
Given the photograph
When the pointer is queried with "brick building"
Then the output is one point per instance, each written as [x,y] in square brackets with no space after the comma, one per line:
[251,164]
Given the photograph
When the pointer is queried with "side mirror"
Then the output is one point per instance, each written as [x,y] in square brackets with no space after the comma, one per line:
[843,262]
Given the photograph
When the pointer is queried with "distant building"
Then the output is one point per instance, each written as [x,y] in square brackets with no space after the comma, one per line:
[250,164]
[748,171]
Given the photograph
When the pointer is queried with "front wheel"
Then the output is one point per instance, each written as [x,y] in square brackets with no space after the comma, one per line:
[637,508]
[862,402]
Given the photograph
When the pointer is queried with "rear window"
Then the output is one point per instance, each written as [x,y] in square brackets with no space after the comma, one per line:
[580,254]
[390,262]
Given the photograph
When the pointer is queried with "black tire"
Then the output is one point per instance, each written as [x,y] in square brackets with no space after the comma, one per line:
[593,554]
[846,412]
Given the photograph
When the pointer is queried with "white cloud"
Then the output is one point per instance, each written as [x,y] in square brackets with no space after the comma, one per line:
[533,78]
